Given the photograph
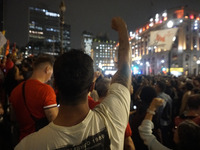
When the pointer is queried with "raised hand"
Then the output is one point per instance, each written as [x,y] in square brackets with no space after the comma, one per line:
[118,24]
[157,102]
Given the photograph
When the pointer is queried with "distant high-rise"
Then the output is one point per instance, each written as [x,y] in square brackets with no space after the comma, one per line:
[86,42]
[103,53]
[44,31]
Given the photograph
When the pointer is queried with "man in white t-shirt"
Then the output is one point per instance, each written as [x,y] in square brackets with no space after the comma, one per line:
[76,126]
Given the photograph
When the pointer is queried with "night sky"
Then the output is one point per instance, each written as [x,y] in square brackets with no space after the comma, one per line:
[90,15]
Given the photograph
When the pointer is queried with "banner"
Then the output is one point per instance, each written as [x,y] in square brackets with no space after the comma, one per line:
[162,38]
[2,40]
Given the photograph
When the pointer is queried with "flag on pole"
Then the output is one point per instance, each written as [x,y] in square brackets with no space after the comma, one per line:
[162,38]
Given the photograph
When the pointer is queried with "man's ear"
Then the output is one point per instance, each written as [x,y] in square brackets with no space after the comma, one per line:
[91,88]
[47,69]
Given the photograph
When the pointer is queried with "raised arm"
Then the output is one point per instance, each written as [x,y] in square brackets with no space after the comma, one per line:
[145,129]
[123,75]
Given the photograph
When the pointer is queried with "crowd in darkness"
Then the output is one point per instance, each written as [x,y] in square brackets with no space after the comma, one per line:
[79,108]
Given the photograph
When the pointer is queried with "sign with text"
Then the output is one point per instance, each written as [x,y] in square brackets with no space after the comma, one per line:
[162,38]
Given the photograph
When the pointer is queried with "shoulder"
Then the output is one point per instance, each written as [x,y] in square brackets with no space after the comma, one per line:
[36,140]
[16,91]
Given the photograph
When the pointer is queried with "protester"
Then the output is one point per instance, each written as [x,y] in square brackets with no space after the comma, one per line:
[165,114]
[187,93]
[147,94]
[193,112]
[102,86]
[34,100]
[12,79]
[9,63]
[186,136]
[76,126]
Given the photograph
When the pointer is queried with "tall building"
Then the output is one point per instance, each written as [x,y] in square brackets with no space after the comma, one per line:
[86,42]
[182,57]
[103,54]
[44,31]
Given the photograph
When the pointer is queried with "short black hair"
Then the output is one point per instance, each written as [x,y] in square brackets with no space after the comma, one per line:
[73,74]
[189,86]
[189,135]
[147,94]
[161,85]
[194,101]
[43,58]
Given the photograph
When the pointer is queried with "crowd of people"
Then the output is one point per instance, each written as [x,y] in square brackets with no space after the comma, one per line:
[83,109]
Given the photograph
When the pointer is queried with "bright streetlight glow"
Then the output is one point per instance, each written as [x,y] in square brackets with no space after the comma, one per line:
[170,24]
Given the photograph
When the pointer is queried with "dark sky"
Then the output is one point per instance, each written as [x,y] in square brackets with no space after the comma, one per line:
[90,15]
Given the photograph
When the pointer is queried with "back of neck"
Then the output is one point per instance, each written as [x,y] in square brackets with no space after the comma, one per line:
[70,115]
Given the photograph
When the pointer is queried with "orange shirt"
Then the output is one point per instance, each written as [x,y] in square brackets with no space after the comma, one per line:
[39,96]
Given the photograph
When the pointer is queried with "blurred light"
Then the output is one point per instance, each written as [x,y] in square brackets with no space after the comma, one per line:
[163,69]
[191,16]
[151,20]
[165,18]
[157,15]
[135,70]
[195,46]
[174,38]
[186,17]
[151,24]
[164,14]
[198,62]
[112,72]
[147,63]
[180,48]
[100,65]
[170,24]
[141,64]
[156,20]
[162,61]
[181,21]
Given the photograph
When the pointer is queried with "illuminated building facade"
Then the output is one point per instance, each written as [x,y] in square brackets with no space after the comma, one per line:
[184,55]
[103,54]
[44,31]
[86,42]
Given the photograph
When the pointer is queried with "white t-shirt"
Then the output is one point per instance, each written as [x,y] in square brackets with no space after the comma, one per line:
[103,128]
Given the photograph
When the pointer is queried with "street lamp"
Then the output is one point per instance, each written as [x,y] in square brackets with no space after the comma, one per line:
[62,10]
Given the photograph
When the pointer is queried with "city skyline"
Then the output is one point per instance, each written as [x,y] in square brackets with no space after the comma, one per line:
[92,16]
